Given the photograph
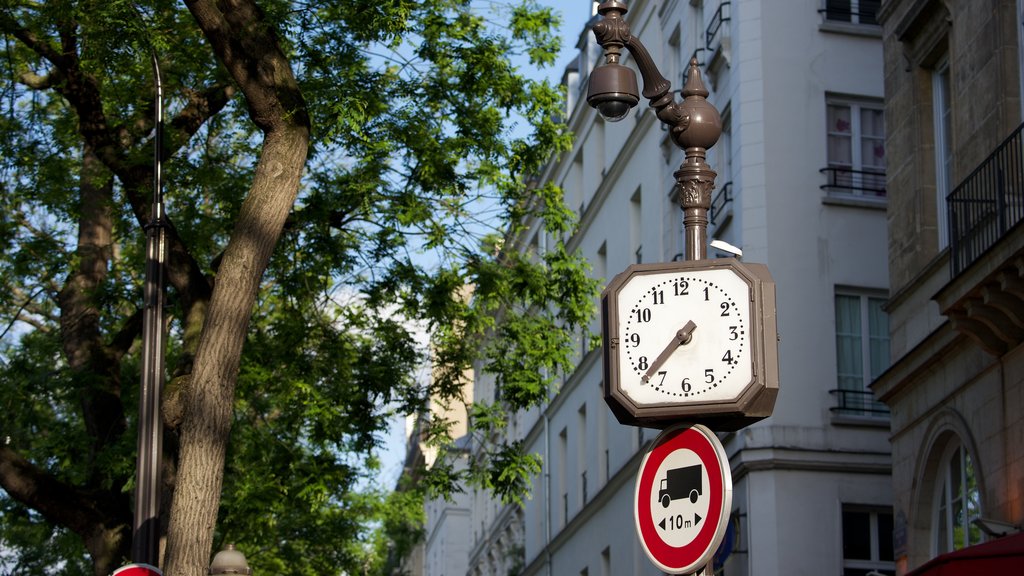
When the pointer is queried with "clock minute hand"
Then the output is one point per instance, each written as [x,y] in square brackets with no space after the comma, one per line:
[681,337]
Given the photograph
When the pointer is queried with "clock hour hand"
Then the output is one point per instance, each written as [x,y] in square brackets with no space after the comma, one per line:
[681,337]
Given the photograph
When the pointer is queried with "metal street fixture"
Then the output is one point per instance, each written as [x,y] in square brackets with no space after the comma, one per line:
[684,343]
[229,561]
[146,533]
[694,124]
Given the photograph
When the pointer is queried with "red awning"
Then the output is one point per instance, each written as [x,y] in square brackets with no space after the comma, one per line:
[1000,556]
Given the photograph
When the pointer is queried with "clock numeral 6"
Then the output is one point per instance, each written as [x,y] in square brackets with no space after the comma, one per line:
[686,385]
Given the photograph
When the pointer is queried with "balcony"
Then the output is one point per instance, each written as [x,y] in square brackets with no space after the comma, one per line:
[858,403]
[718,213]
[987,204]
[845,181]
[984,298]
[720,17]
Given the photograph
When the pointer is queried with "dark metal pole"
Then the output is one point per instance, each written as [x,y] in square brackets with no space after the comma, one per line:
[146,540]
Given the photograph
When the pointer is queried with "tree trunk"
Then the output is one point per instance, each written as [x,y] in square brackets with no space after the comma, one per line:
[250,51]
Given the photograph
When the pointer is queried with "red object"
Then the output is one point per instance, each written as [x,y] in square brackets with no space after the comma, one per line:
[1000,556]
[137,570]
[688,554]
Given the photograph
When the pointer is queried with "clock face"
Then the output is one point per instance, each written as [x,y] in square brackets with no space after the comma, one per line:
[684,336]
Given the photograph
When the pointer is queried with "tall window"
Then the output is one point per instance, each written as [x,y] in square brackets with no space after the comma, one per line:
[867,541]
[942,105]
[635,222]
[856,147]
[854,11]
[563,453]
[862,351]
[581,453]
[957,503]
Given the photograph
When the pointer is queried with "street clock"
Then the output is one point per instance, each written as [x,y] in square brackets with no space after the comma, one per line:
[691,341]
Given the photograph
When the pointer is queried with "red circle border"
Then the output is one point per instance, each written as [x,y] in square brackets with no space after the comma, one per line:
[692,556]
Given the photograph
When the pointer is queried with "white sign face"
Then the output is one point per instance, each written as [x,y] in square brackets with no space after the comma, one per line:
[680,504]
[683,498]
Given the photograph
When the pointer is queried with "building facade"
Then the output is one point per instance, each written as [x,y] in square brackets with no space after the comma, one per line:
[801,187]
[956,182]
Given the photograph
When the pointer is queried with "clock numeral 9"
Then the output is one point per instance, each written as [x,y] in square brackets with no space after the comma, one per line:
[634,339]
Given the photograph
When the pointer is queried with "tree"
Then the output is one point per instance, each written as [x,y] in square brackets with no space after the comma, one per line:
[336,173]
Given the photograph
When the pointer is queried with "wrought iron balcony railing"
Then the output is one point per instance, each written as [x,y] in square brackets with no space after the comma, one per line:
[718,205]
[987,204]
[858,403]
[720,17]
[843,180]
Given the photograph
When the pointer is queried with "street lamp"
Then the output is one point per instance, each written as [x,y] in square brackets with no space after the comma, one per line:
[694,124]
[229,561]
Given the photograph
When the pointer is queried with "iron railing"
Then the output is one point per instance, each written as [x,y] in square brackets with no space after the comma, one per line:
[720,17]
[841,11]
[857,403]
[718,204]
[869,183]
[987,204]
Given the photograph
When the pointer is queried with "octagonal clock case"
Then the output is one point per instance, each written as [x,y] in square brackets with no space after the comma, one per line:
[691,341]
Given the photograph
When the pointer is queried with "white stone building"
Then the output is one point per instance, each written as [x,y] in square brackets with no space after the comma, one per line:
[801,188]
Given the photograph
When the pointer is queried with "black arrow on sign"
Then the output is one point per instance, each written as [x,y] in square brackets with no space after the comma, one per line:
[696,520]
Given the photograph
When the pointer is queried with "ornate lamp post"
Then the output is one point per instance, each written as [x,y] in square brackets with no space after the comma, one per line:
[689,344]
[694,124]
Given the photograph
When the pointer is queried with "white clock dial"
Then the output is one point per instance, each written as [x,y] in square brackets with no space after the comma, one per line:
[684,336]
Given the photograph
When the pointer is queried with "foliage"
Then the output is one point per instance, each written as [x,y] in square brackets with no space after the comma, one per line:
[423,136]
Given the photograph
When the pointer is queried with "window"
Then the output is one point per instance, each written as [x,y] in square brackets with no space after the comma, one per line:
[563,452]
[581,453]
[957,503]
[942,106]
[867,541]
[635,223]
[855,148]
[862,351]
[853,11]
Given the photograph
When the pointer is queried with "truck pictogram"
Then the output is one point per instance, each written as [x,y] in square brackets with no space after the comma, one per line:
[681,483]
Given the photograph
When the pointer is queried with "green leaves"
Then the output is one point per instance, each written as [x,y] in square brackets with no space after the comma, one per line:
[404,265]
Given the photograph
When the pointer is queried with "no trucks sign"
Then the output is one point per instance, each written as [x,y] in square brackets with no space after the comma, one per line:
[683,498]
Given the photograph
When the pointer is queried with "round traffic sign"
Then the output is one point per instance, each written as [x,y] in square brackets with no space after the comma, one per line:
[683,497]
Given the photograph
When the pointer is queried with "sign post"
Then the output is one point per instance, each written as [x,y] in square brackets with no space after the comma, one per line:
[683,498]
